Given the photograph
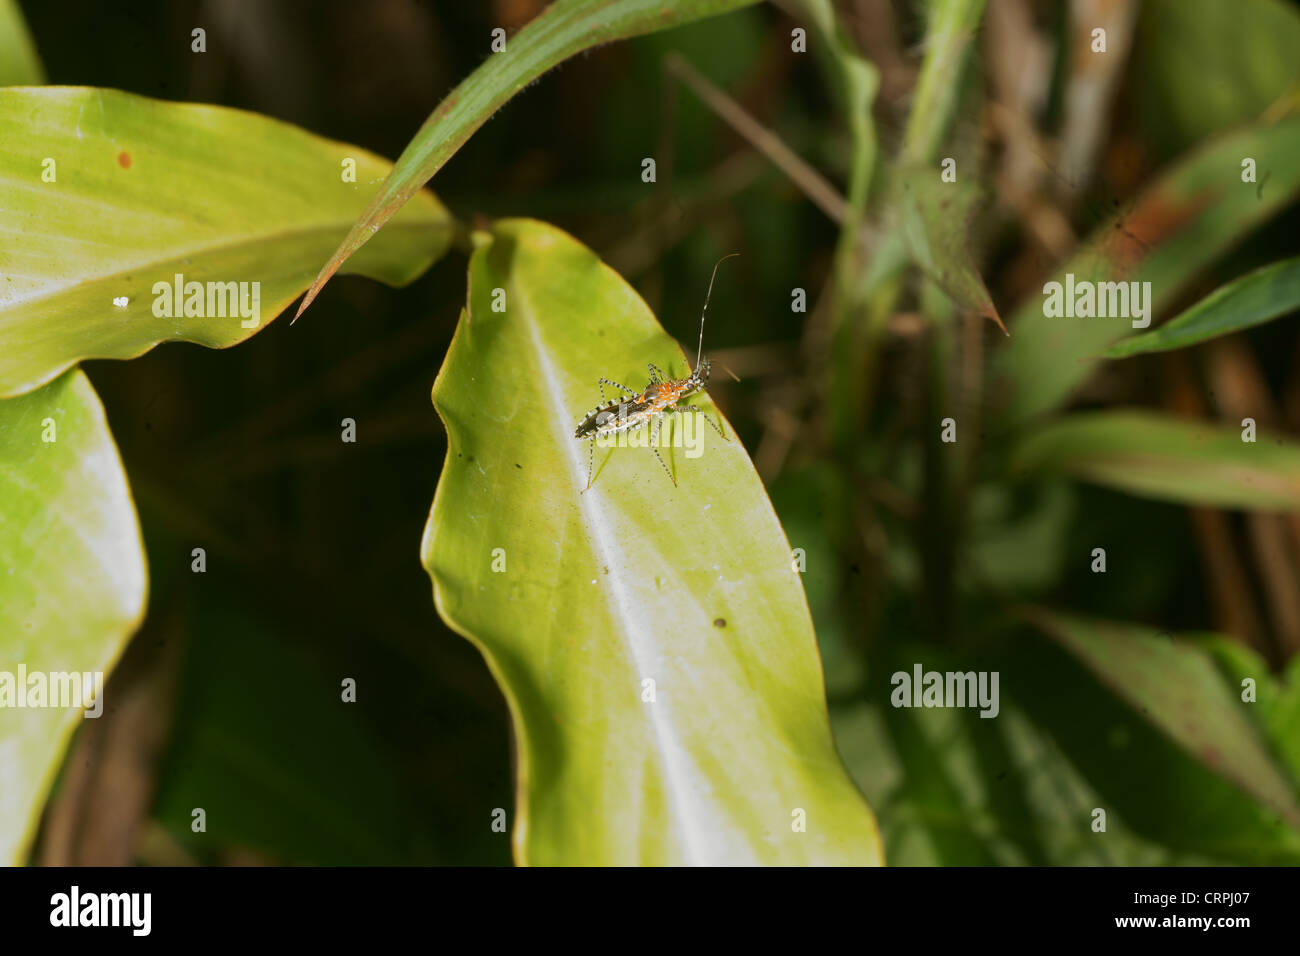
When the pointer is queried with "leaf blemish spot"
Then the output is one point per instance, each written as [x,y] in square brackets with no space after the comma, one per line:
[720,622]
[124,159]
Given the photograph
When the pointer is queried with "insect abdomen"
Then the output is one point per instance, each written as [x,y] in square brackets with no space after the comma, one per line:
[614,418]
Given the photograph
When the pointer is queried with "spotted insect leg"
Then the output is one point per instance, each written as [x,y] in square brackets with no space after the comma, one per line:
[591,460]
[696,408]
[602,382]
[654,447]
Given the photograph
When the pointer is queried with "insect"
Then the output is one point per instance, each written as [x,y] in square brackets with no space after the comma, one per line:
[632,411]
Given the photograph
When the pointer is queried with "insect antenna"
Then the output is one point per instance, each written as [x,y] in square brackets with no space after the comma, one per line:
[700,350]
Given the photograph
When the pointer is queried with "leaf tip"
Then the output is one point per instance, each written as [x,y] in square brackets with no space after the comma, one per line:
[302,307]
[325,274]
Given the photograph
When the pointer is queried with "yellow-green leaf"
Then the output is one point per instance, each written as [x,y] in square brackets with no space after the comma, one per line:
[72,582]
[109,196]
[19,63]
[579,599]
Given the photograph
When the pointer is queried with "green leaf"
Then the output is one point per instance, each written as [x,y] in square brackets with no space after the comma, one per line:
[952,788]
[1191,215]
[596,592]
[1251,300]
[19,63]
[144,190]
[935,218]
[1277,700]
[856,81]
[1171,459]
[951,28]
[1159,790]
[954,792]
[1212,65]
[564,29]
[72,578]
[1020,546]
[1177,687]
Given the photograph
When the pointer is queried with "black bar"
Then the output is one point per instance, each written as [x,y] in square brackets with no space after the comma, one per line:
[931,905]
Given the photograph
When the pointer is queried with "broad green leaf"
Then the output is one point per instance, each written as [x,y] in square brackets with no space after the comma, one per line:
[1191,215]
[72,580]
[1251,300]
[577,599]
[564,29]
[1212,65]
[1177,687]
[19,63]
[1155,456]
[144,191]
[935,217]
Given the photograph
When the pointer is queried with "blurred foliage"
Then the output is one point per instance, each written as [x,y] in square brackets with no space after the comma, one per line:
[916,550]
[1208,66]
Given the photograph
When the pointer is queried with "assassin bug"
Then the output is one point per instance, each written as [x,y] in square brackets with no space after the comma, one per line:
[633,410]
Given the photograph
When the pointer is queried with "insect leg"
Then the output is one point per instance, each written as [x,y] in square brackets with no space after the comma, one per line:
[693,408]
[654,446]
[591,456]
[656,374]
[604,381]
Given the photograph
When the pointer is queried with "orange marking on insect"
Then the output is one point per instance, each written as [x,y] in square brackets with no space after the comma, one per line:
[637,410]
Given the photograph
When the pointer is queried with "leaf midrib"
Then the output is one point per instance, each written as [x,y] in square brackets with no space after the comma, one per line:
[251,240]
[668,751]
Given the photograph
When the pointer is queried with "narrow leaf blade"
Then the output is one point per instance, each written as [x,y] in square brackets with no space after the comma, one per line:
[1193,213]
[564,29]
[1177,687]
[1155,456]
[1251,300]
